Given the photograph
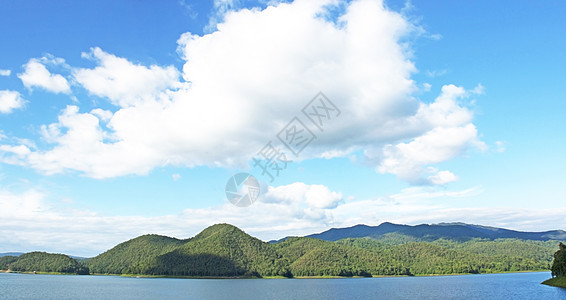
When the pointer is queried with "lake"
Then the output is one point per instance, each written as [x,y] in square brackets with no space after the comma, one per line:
[491,286]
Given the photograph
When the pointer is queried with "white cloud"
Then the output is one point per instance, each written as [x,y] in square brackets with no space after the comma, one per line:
[244,82]
[124,83]
[314,196]
[450,134]
[176,177]
[101,114]
[441,177]
[33,221]
[83,145]
[4,72]
[219,11]
[20,150]
[10,100]
[37,75]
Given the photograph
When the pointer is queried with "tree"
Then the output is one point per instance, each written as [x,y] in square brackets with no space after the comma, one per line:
[559,265]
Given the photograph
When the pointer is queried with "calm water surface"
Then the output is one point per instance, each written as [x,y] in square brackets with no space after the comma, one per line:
[492,286]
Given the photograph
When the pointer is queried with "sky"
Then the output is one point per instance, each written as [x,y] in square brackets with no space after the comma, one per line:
[122,118]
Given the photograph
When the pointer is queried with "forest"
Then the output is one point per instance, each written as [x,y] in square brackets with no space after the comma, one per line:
[223,250]
[43,262]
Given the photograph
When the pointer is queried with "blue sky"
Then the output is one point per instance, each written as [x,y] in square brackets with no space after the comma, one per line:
[119,118]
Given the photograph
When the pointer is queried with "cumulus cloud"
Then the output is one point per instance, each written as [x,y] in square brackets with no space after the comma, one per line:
[36,74]
[35,221]
[81,144]
[10,100]
[122,82]
[242,83]
[314,196]
[450,133]
[4,72]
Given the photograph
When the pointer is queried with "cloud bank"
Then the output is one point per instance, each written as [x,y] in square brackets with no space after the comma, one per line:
[33,221]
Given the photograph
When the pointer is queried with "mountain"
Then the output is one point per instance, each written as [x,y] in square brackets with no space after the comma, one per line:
[425,232]
[133,256]
[11,254]
[223,250]
[43,262]
[220,250]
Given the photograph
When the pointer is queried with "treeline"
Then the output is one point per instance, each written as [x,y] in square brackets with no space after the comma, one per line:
[224,250]
[43,262]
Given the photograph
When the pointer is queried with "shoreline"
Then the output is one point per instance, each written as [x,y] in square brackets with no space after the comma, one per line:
[39,273]
[556,282]
[271,277]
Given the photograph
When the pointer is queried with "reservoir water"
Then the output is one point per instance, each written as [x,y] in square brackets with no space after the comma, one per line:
[490,286]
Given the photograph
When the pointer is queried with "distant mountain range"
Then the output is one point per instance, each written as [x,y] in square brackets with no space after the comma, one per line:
[16,254]
[11,254]
[425,232]
[223,250]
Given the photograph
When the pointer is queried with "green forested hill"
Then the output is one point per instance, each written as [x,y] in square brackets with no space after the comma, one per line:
[475,256]
[220,250]
[133,256]
[313,257]
[5,261]
[224,250]
[45,262]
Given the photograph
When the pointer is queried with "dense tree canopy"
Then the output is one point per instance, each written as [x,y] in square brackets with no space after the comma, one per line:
[5,261]
[224,250]
[559,265]
[133,256]
[46,262]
